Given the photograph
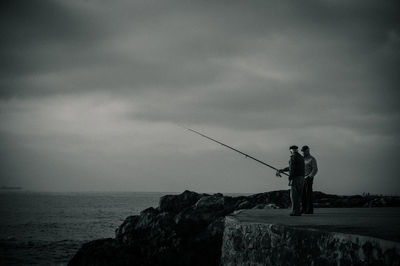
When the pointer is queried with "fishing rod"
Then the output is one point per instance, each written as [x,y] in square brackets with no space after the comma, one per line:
[236,150]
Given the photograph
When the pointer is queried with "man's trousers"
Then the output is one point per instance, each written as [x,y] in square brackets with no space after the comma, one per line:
[307,202]
[296,191]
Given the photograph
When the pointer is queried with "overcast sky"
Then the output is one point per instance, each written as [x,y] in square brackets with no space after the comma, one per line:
[91,93]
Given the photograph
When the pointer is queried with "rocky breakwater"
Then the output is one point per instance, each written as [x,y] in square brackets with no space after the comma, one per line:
[186,229]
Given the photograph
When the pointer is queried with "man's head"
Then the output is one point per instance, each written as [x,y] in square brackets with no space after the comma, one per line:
[293,148]
[305,150]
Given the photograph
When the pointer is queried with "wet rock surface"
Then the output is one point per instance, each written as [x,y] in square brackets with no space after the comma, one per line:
[187,229]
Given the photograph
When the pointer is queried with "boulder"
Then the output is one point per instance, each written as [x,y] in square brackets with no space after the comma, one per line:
[214,202]
[126,229]
[259,206]
[271,206]
[176,203]
[244,205]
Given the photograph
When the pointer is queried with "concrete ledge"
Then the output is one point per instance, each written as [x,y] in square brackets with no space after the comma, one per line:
[271,237]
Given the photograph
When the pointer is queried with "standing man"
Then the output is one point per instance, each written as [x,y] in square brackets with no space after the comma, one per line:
[296,179]
[310,171]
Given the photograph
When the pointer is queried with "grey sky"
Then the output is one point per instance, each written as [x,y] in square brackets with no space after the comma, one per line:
[91,92]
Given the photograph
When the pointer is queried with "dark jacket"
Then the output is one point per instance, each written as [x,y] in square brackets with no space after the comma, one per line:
[296,165]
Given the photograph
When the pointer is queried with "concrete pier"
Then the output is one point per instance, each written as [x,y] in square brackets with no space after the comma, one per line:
[331,236]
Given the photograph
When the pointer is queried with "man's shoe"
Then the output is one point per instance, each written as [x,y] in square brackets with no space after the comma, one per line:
[295,214]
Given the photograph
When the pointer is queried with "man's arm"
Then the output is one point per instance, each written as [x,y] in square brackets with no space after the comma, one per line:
[278,173]
[314,167]
[286,169]
[292,165]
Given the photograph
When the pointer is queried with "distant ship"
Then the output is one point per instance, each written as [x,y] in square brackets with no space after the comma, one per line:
[10,188]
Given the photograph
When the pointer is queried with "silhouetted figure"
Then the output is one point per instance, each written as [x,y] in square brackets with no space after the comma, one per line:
[310,171]
[296,179]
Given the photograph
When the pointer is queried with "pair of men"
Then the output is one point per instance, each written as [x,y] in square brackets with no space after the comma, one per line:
[301,176]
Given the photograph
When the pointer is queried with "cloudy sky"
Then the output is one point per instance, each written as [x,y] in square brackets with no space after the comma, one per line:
[91,93]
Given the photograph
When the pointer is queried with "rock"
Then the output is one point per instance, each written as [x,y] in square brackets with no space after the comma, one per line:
[104,252]
[280,198]
[377,202]
[266,206]
[190,236]
[259,206]
[126,229]
[271,206]
[238,211]
[215,202]
[187,229]
[176,203]
[244,205]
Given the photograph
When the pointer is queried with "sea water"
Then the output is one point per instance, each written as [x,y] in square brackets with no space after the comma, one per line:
[38,228]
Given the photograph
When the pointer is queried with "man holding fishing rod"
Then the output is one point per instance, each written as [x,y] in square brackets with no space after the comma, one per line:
[296,179]
[295,169]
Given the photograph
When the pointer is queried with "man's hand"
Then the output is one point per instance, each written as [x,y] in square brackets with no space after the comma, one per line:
[278,173]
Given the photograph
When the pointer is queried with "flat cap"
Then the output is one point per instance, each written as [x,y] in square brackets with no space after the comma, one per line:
[293,147]
[304,148]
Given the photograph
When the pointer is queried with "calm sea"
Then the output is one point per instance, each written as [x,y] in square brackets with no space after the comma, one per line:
[48,228]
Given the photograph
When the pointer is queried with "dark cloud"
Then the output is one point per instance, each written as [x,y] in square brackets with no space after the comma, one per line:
[34,31]
[314,69]
[171,44]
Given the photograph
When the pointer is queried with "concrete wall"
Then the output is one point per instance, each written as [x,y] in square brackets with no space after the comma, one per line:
[246,243]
